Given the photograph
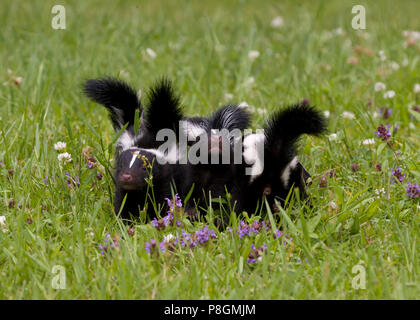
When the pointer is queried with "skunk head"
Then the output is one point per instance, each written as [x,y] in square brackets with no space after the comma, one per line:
[131,172]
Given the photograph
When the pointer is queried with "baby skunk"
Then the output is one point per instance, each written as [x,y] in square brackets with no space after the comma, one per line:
[136,151]
[273,177]
[138,156]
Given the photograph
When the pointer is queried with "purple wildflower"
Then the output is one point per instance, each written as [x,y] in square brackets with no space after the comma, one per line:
[413,190]
[355,167]
[383,133]
[150,246]
[91,162]
[204,235]
[385,112]
[109,244]
[99,176]
[244,230]
[68,180]
[331,173]
[323,183]
[305,102]
[46,180]
[178,202]
[285,238]
[278,234]
[130,231]
[77,181]
[255,254]
[187,240]
[397,173]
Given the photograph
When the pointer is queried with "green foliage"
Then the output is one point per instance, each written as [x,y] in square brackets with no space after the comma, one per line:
[203,46]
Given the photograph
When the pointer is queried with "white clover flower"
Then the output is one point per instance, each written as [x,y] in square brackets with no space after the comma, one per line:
[380,86]
[411,125]
[253,54]
[394,66]
[416,88]
[243,104]
[151,53]
[404,63]
[277,22]
[64,157]
[168,237]
[389,94]
[347,43]
[382,55]
[261,111]
[326,114]
[368,142]
[415,35]
[348,115]
[375,114]
[3,224]
[379,192]
[333,205]
[250,81]
[228,96]
[338,31]
[332,137]
[124,74]
[60,146]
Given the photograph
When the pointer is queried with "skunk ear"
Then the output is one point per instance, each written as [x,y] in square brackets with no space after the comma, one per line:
[117,96]
[163,110]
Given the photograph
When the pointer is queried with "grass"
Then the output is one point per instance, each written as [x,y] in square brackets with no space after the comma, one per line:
[203,46]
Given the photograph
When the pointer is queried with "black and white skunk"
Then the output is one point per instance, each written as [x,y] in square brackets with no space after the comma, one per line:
[273,175]
[139,159]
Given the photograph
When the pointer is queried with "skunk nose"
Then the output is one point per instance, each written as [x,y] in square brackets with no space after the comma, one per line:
[126,177]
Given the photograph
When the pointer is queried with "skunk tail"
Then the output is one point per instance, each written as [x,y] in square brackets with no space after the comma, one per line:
[294,121]
[117,96]
[164,109]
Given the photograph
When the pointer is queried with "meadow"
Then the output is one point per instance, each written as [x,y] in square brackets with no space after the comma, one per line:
[358,240]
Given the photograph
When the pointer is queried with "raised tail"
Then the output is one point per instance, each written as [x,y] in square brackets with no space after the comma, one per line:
[288,124]
[117,96]
[164,107]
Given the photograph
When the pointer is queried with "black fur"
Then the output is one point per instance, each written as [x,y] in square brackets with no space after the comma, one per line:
[117,96]
[282,132]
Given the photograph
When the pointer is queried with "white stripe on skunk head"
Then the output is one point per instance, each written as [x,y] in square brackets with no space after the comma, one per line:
[253,154]
[285,176]
[191,130]
[135,155]
[125,141]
